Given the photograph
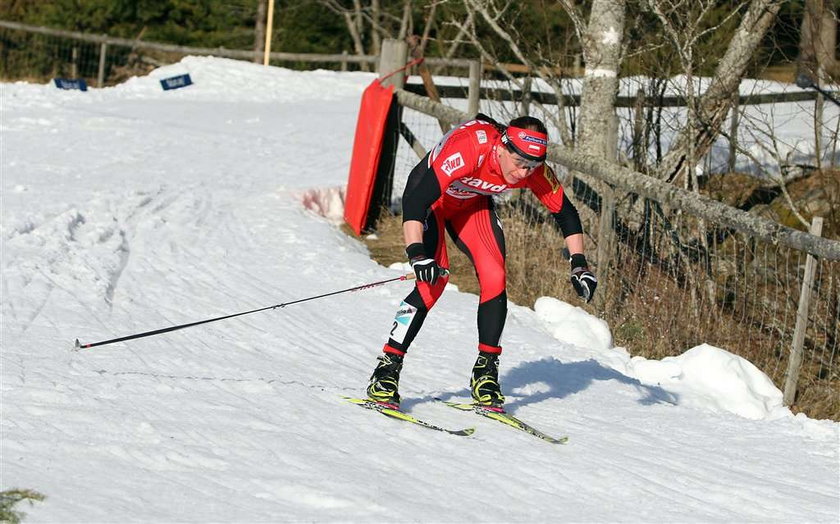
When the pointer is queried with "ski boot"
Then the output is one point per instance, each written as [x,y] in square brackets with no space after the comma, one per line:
[384,382]
[484,383]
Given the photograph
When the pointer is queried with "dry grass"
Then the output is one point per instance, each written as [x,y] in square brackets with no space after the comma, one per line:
[780,73]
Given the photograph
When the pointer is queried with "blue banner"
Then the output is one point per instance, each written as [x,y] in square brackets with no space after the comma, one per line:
[176,82]
[71,83]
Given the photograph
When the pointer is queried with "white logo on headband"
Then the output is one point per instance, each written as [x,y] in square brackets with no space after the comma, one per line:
[525,137]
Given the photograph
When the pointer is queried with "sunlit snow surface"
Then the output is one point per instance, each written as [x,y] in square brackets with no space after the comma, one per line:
[129,208]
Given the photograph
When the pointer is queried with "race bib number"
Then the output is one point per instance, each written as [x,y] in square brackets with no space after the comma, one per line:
[405,314]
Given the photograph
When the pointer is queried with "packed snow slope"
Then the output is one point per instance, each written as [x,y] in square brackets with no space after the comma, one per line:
[129,208]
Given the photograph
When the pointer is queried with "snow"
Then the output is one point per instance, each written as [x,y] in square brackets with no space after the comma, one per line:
[128,209]
[715,379]
[572,324]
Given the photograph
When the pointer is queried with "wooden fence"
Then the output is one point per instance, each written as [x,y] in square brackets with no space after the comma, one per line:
[734,286]
[105,41]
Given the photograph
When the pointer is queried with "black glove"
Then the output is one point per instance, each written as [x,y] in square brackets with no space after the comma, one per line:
[425,269]
[583,280]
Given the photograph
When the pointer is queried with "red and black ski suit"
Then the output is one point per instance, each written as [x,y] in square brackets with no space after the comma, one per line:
[451,189]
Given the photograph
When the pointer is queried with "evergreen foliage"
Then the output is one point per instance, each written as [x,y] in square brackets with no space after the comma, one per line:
[11,497]
[546,33]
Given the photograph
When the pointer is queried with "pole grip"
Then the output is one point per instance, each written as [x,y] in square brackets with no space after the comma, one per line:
[411,276]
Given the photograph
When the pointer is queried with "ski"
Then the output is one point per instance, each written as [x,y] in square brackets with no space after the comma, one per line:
[505,418]
[392,411]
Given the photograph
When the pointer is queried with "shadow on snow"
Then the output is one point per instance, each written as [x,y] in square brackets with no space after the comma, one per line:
[557,380]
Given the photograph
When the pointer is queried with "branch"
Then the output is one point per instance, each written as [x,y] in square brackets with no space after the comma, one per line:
[478,6]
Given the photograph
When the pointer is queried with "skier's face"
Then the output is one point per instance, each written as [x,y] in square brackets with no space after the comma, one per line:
[514,167]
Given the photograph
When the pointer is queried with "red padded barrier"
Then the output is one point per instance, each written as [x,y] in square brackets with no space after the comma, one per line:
[367,146]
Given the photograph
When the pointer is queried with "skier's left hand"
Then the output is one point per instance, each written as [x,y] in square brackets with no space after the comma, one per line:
[582,278]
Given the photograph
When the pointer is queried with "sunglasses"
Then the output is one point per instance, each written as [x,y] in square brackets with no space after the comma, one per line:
[520,162]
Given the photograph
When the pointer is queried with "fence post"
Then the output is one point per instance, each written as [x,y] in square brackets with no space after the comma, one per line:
[393,57]
[819,108]
[733,131]
[74,66]
[795,360]
[100,75]
[639,142]
[475,88]
[525,102]
[344,62]
[269,32]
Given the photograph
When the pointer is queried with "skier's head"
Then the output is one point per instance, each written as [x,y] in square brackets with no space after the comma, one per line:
[525,141]
[528,138]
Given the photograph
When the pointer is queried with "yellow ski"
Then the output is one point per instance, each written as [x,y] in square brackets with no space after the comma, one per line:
[498,413]
[392,411]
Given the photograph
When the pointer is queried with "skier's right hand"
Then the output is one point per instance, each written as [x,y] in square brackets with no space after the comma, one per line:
[425,269]
[582,278]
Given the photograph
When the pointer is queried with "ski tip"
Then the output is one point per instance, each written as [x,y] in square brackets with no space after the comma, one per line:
[77,346]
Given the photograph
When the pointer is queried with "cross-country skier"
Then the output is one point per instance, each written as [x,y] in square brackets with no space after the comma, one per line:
[452,189]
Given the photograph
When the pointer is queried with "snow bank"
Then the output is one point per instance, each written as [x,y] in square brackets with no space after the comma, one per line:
[247,82]
[705,376]
[714,379]
[572,324]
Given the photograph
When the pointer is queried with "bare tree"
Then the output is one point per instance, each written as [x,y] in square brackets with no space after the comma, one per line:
[601,43]
[492,12]
[695,141]
[354,21]
[259,31]
[371,23]
[818,40]
[684,22]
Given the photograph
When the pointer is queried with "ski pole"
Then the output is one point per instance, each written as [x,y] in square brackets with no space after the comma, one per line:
[79,345]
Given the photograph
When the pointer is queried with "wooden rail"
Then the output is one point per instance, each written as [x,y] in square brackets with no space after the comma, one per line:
[188,50]
[698,205]
[503,94]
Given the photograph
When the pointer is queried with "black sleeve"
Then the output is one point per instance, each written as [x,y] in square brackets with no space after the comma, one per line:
[567,218]
[421,191]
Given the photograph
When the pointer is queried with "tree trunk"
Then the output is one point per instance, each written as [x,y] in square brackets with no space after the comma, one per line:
[354,25]
[602,56]
[375,36]
[716,102]
[259,31]
[405,23]
[817,40]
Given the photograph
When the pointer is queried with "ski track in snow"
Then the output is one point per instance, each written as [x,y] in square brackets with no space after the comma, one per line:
[128,209]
